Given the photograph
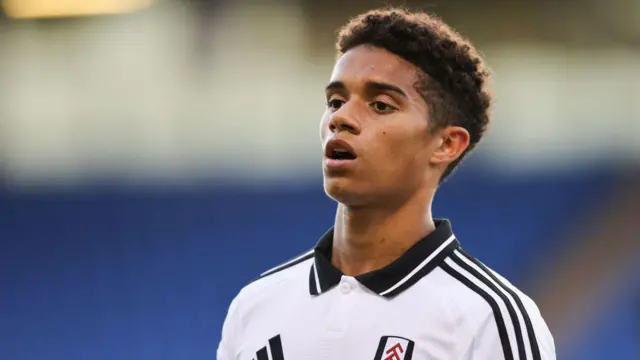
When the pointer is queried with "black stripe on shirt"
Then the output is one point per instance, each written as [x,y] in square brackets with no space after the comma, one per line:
[497,314]
[262,354]
[512,311]
[276,348]
[535,349]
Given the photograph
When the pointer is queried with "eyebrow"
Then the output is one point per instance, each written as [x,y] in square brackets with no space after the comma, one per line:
[369,85]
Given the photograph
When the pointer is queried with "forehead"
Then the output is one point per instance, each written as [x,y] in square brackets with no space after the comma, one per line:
[367,63]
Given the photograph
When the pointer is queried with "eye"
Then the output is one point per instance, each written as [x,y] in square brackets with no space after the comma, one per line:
[382,107]
[334,104]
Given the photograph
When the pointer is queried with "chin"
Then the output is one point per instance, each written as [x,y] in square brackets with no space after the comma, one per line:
[344,191]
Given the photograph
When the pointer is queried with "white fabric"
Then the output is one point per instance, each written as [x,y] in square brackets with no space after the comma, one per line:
[443,317]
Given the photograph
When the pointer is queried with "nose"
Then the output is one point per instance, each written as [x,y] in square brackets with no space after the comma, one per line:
[343,120]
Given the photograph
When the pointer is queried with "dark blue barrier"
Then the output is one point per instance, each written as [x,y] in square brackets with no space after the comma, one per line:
[109,273]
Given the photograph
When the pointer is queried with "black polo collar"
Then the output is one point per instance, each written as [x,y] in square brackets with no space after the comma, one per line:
[391,280]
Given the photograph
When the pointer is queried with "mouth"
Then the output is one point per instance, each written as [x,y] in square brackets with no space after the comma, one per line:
[339,150]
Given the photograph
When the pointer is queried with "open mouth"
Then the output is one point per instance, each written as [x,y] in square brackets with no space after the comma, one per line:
[341,154]
[338,149]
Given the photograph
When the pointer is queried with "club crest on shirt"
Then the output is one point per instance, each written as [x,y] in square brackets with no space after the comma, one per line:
[394,348]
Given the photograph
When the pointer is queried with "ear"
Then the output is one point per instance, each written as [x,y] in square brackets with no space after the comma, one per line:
[452,141]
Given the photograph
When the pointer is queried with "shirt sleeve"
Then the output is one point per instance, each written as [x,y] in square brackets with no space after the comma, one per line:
[543,338]
[226,348]
[487,344]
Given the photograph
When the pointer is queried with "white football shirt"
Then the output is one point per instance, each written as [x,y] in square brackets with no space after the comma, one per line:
[434,303]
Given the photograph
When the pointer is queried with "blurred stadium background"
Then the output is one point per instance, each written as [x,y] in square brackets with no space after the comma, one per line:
[156,156]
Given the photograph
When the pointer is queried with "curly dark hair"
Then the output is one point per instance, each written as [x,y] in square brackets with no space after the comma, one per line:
[453,80]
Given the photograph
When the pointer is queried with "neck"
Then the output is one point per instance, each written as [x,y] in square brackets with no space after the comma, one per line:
[370,238]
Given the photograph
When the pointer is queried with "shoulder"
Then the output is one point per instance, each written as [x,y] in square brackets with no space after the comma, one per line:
[486,304]
[280,280]
[288,266]
[272,287]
